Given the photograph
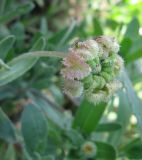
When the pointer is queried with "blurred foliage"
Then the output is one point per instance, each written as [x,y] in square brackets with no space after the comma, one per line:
[37,121]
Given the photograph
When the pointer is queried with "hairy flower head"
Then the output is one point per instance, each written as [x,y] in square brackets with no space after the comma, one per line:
[73,88]
[75,67]
[119,62]
[108,43]
[91,69]
[113,86]
[97,97]
[88,49]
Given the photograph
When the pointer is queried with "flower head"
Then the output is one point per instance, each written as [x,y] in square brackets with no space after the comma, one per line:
[113,86]
[75,67]
[97,97]
[91,69]
[108,43]
[89,149]
[88,49]
[73,88]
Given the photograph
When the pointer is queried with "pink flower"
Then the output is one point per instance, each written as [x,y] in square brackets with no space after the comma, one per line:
[75,67]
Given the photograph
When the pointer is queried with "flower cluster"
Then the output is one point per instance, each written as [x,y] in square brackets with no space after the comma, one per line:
[91,68]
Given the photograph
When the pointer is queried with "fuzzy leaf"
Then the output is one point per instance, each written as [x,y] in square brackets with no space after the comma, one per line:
[19,67]
[7,130]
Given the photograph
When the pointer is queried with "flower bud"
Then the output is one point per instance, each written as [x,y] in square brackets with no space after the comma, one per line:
[75,67]
[73,88]
[96,98]
[91,68]
[87,49]
[89,149]
[118,64]
[113,86]
[108,43]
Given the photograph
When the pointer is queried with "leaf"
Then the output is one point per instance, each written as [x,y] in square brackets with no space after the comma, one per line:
[75,137]
[62,37]
[97,28]
[4,5]
[135,51]
[68,34]
[88,116]
[53,113]
[123,116]
[7,130]
[5,45]
[44,26]
[34,129]
[108,127]
[134,100]
[126,45]
[10,153]
[105,151]
[17,11]
[133,149]
[19,67]
[132,31]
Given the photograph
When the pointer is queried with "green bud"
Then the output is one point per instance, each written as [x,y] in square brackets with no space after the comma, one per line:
[106,76]
[109,70]
[99,82]
[87,81]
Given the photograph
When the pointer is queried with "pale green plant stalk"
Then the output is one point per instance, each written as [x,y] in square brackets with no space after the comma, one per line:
[42,54]
[35,54]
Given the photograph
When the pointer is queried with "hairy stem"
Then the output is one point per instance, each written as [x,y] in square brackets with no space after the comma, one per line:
[42,54]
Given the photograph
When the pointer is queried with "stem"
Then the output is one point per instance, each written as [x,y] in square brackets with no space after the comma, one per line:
[42,54]
[4,64]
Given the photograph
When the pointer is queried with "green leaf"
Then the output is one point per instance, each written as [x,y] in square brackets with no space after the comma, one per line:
[133,149]
[97,28]
[10,153]
[60,38]
[68,34]
[34,129]
[135,103]
[123,116]
[52,112]
[5,45]
[17,11]
[132,31]
[4,5]
[7,130]
[20,66]
[105,151]
[135,50]
[126,45]
[108,127]
[75,137]
[88,116]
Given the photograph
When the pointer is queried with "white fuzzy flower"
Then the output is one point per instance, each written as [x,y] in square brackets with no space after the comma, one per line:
[73,88]
[88,49]
[108,43]
[89,149]
[113,86]
[119,63]
[99,96]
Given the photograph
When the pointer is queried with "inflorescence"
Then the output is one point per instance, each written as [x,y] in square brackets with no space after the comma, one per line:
[91,69]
